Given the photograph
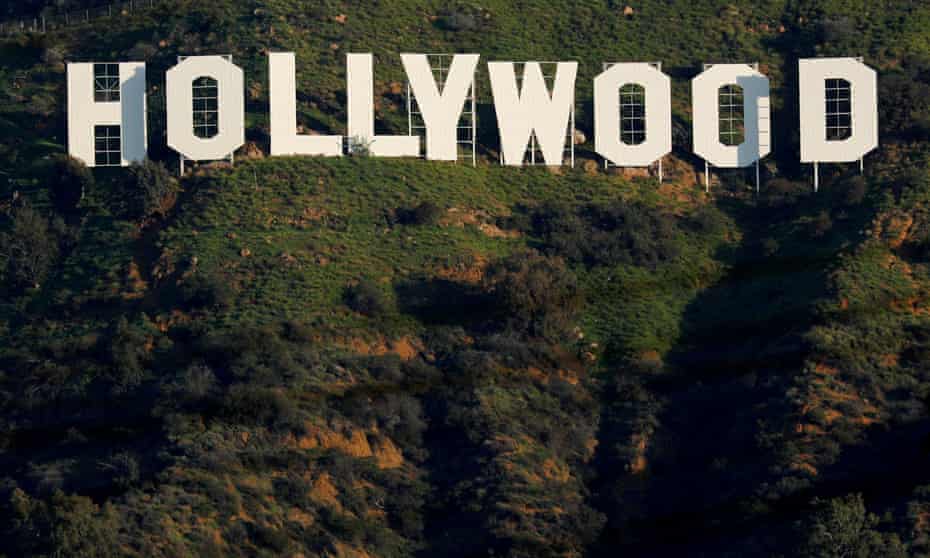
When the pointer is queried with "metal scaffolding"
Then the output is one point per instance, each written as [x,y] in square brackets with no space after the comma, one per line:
[467,128]
[755,66]
[607,164]
[181,158]
[534,154]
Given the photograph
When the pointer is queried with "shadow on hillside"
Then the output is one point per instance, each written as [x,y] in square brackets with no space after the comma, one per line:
[443,302]
[722,388]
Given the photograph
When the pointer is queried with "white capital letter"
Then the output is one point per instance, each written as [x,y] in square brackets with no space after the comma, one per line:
[754,120]
[282,94]
[532,110]
[114,99]
[855,117]
[230,107]
[441,111]
[657,119]
[360,77]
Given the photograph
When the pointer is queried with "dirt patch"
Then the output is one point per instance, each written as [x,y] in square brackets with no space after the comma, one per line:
[354,442]
[638,463]
[300,517]
[135,284]
[323,490]
[342,550]
[387,454]
[493,231]
[470,271]
[407,347]
[895,228]
[484,222]
[557,472]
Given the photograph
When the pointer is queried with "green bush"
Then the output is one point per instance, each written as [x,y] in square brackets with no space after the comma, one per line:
[192,385]
[603,234]
[28,250]
[129,355]
[842,527]
[458,19]
[207,290]
[904,112]
[365,298]
[123,469]
[149,189]
[425,213]
[259,406]
[536,295]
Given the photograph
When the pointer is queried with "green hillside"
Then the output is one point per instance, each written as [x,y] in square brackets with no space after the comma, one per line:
[364,358]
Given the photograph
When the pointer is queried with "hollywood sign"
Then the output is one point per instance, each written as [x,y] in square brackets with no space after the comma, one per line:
[632,111]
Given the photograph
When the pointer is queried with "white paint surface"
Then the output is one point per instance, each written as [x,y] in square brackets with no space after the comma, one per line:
[282,78]
[441,110]
[863,80]
[756,113]
[531,109]
[231,103]
[129,112]
[361,125]
[658,99]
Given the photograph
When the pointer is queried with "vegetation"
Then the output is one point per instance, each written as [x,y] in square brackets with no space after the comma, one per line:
[372,357]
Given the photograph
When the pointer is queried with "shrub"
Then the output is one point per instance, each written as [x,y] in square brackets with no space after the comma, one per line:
[63,525]
[207,290]
[537,295]
[29,249]
[149,189]
[68,181]
[821,225]
[905,92]
[123,468]
[80,528]
[605,234]
[425,213]
[365,298]
[260,406]
[855,190]
[708,220]
[128,348]
[194,384]
[458,19]
[843,527]
[780,192]
[837,29]
[359,146]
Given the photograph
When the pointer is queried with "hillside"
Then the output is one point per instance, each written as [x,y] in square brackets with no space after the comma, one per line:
[365,357]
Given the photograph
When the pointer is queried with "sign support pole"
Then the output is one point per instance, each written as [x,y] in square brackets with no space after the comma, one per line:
[816,176]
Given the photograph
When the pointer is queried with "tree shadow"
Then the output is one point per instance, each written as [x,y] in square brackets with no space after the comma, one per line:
[436,301]
[742,344]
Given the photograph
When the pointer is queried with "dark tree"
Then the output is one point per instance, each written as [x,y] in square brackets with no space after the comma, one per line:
[365,298]
[149,189]
[537,295]
[68,181]
[29,250]
[843,528]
